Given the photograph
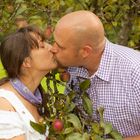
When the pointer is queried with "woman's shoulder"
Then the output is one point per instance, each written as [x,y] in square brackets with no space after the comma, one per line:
[5,105]
[14,103]
[4,102]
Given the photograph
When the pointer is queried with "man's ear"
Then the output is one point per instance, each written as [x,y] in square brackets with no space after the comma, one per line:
[86,51]
[27,62]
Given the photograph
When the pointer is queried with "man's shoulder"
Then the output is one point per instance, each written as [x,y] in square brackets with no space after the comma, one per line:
[124,53]
[121,49]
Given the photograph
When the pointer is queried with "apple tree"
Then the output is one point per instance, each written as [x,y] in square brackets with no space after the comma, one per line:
[120,17]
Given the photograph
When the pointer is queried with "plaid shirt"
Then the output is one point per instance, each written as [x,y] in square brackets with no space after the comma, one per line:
[116,87]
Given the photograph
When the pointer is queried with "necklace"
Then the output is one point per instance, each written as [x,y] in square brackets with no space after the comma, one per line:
[35,99]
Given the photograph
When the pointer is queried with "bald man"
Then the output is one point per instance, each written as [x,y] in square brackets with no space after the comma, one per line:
[114,70]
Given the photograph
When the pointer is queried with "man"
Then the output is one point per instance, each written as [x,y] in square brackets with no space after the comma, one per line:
[114,70]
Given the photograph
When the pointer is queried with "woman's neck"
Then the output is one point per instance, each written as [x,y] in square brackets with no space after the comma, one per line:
[32,82]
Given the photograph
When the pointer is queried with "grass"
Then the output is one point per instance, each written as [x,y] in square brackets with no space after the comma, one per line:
[43,82]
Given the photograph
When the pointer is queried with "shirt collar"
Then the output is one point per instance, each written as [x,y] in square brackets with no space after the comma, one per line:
[79,72]
[106,63]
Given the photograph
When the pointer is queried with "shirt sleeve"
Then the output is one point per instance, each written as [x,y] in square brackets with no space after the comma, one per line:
[10,125]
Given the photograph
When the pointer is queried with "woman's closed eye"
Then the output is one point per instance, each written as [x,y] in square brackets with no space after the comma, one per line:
[42,44]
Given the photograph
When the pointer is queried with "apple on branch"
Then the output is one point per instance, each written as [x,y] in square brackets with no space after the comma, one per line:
[58,125]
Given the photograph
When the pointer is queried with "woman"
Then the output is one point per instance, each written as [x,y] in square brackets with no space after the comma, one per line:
[27,59]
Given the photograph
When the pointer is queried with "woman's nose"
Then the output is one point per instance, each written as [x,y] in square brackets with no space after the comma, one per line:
[54,49]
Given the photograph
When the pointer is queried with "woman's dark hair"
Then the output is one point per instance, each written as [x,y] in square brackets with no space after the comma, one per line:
[16,47]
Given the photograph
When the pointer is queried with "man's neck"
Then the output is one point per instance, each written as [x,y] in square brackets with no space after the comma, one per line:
[93,64]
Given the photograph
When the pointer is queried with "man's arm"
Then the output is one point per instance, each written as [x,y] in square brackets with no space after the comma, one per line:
[133,138]
[136,90]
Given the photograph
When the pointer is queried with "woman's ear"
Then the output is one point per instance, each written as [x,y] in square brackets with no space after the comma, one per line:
[27,62]
[86,51]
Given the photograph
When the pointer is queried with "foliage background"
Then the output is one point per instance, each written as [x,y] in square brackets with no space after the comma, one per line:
[121,18]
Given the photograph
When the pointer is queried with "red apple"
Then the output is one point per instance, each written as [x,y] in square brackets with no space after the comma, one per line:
[48,32]
[58,125]
[65,76]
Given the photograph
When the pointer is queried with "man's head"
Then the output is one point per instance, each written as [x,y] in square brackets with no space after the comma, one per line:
[79,36]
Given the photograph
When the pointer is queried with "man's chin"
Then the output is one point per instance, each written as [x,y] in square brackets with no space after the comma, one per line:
[62,66]
[59,65]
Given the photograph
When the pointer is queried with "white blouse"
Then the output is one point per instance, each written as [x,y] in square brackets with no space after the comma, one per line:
[17,123]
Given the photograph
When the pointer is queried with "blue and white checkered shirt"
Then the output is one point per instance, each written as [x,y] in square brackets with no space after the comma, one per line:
[116,87]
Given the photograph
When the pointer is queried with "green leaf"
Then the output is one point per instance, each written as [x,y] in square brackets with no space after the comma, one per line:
[86,136]
[101,111]
[74,136]
[35,17]
[100,3]
[67,103]
[19,1]
[96,137]
[116,135]
[69,9]
[71,107]
[72,118]
[22,9]
[72,95]
[85,85]
[87,104]
[68,130]
[96,127]
[131,43]
[78,136]
[43,2]
[38,127]
[107,128]
[114,24]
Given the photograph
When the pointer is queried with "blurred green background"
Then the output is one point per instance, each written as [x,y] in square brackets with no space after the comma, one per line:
[2,71]
[121,18]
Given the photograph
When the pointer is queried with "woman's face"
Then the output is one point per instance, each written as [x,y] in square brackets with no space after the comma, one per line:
[41,58]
